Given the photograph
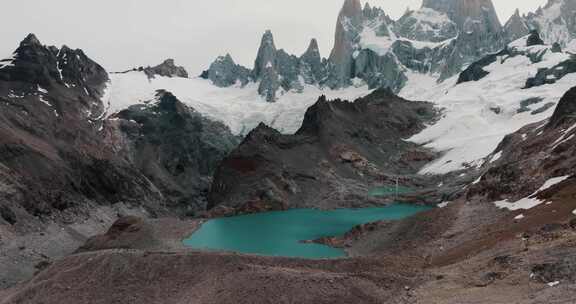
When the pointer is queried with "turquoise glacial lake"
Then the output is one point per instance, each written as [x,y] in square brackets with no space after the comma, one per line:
[280,233]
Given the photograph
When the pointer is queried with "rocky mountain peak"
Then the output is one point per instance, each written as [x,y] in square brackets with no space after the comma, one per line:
[313,48]
[352,9]
[516,27]
[168,68]
[224,72]
[30,40]
[469,15]
[34,65]
[348,26]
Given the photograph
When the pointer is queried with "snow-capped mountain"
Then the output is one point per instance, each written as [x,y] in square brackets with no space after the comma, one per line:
[502,88]
[440,38]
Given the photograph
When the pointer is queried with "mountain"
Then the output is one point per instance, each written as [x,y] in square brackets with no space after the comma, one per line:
[67,171]
[491,146]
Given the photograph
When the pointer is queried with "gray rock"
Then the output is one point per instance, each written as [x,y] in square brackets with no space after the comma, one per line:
[534,39]
[556,48]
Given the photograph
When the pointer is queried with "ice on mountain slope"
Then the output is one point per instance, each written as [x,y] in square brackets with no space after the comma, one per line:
[478,115]
[531,201]
[8,61]
[242,109]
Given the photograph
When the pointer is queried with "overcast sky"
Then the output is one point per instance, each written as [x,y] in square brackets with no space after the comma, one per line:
[120,34]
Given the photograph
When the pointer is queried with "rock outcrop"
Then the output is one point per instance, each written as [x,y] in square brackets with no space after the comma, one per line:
[166,69]
[534,39]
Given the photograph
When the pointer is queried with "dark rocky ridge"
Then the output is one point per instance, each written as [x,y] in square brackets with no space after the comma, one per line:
[340,149]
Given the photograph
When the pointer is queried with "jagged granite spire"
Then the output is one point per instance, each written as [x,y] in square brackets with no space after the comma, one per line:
[516,27]
[265,68]
[266,55]
[312,68]
[348,26]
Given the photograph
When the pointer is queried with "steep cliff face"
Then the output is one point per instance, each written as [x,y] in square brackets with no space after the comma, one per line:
[340,148]
[174,146]
[348,26]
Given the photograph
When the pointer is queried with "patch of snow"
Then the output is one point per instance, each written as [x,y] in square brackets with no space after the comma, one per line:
[530,201]
[496,157]
[477,180]
[519,217]
[563,138]
[381,45]
[44,101]
[42,90]
[444,204]
[553,284]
